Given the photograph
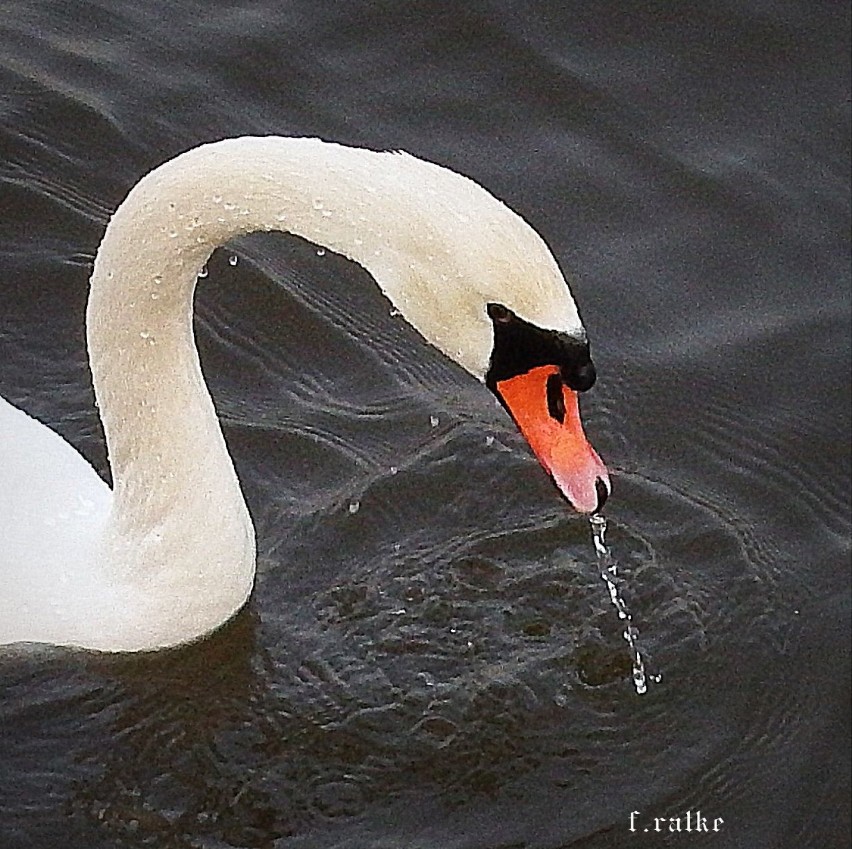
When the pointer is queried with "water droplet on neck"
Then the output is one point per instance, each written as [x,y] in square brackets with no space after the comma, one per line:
[608,568]
[320,251]
[232,260]
[204,272]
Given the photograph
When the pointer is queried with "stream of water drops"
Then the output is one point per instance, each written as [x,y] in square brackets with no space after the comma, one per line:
[608,567]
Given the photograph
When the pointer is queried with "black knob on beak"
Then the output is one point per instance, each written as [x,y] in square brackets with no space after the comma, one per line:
[580,377]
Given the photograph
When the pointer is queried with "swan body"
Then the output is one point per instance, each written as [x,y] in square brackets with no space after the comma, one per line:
[168,554]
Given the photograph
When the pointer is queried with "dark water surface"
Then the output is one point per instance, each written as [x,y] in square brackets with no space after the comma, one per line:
[430,658]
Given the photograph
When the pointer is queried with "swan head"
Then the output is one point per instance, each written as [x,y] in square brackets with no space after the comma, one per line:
[537,375]
[480,284]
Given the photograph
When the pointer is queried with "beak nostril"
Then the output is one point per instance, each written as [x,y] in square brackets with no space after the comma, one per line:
[603,494]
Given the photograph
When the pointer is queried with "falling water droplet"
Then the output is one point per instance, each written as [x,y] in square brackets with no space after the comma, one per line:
[354,506]
[434,421]
[609,572]
[232,260]
[204,271]
[320,251]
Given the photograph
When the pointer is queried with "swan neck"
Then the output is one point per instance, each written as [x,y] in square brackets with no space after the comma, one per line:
[438,245]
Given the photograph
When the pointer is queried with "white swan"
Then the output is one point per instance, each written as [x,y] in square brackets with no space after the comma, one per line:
[169,554]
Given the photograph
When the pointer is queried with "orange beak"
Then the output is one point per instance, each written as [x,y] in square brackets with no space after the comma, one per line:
[547,412]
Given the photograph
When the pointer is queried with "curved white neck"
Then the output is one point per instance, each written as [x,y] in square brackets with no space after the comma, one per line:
[438,245]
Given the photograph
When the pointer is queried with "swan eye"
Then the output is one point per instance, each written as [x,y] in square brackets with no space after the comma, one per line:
[499,313]
[555,398]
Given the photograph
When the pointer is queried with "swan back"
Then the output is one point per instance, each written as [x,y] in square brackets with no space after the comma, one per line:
[53,507]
